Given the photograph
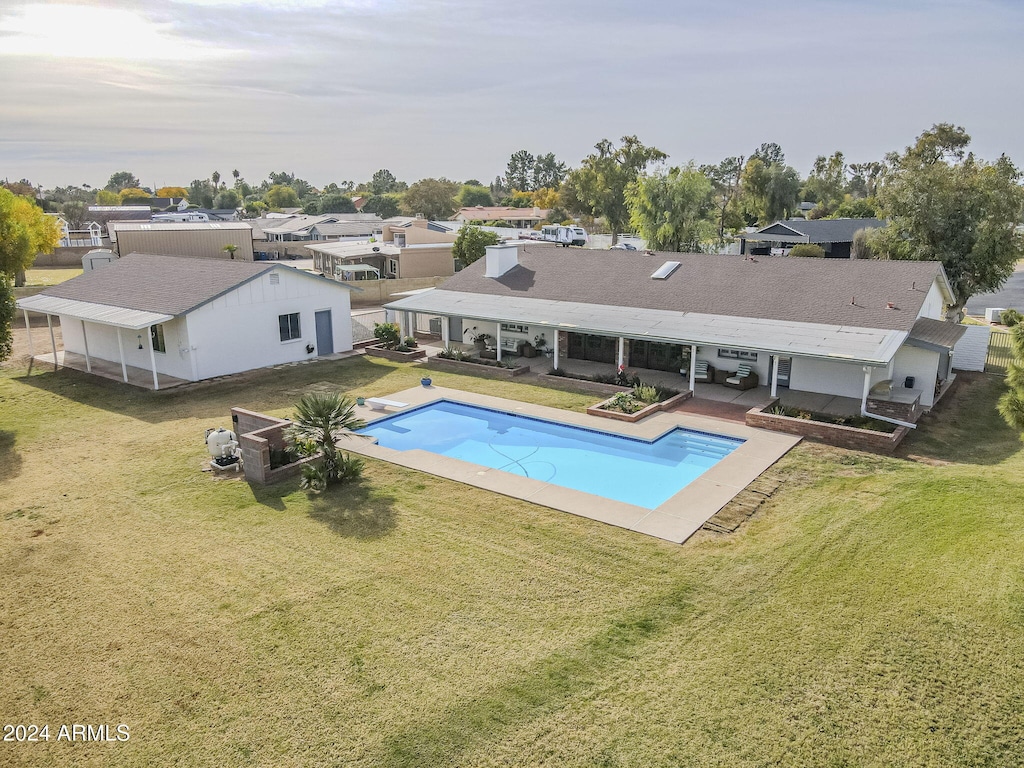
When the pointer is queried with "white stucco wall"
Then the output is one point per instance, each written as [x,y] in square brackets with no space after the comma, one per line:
[103,345]
[922,364]
[239,331]
[832,378]
[934,305]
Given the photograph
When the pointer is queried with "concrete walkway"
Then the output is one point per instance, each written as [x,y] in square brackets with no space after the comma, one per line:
[675,520]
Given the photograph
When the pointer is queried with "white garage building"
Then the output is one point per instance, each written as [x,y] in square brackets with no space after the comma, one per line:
[194,319]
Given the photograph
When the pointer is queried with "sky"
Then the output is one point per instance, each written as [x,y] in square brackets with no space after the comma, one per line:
[333,90]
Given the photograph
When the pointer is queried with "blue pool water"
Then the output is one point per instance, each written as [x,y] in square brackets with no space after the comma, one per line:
[640,472]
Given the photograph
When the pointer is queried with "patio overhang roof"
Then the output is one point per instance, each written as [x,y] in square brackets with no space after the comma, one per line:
[120,317]
[936,335]
[865,346]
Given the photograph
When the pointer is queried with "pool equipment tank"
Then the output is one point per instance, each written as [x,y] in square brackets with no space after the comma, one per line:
[223,447]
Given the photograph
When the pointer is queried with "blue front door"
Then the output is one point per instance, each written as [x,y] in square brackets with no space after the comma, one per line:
[324,333]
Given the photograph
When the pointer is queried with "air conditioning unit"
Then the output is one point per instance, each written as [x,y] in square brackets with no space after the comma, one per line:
[994,314]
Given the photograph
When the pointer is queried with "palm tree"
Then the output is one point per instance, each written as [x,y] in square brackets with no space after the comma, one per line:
[319,418]
[230,250]
[1011,404]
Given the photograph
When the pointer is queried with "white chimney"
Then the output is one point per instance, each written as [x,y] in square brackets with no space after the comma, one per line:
[500,259]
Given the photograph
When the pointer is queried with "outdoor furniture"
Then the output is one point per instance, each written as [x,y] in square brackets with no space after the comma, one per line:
[745,378]
[721,376]
[704,372]
[379,403]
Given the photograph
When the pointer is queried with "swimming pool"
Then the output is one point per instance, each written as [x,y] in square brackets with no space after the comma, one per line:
[645,473]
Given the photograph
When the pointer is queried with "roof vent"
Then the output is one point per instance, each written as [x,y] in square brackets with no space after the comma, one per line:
[665,270]
[275,278]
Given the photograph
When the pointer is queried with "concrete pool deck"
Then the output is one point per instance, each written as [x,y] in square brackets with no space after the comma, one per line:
[675,520]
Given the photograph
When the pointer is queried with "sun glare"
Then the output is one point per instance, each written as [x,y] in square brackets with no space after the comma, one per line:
[88,32]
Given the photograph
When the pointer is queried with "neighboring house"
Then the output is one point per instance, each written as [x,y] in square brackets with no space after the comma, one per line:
[104,214]
[194,319]
[837,328]
[90,235]
[834,235]
[328,226]
[521,218]
[198,239]
[415,248]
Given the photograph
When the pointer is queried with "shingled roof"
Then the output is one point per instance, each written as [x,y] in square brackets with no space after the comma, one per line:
[853,293]
[170,285]
[815,230]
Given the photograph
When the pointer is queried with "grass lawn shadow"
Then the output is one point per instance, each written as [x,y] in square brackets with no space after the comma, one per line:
[213,399]
[357,510]
[950,432]
[10,459]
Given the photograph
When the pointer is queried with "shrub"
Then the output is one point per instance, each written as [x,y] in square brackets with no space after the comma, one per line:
[1010,317]
[808,249]
[451,353]
[645,393]
[410,341]
[387,334]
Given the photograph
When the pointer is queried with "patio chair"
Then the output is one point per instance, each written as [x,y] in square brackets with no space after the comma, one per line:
[704,372]
[745,378]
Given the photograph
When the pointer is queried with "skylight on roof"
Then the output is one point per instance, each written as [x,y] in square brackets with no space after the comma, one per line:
[665,270]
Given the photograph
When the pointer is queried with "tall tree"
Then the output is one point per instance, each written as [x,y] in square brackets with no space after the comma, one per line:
[865,178]
[134,196]
[673,211]
[725,184]
[25,232]
[7,310]
[519,172]
[826,184]
[384,206]
[384,183]
[470,196]
[200,193]
[471,244]
[172,192]
[215,178]
[547,172]
[227,199]
[122,180]
[337,203]
[431,198]
[770,153]
[945,205]
[281,196]
[598,186]
[769,191]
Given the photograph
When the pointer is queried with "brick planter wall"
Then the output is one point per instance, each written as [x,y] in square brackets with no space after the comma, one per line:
[391,354]
[257,434]
[910,412]
[672,402]
[476,369]
[830,434]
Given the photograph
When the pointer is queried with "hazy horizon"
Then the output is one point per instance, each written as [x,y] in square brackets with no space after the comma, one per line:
[333,91]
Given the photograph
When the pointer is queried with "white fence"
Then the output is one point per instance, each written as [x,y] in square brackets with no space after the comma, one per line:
[362,324]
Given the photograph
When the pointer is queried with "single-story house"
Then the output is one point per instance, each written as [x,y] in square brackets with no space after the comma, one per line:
[414,248]
[194,319]
[198,239]
[522,218]
[836,328]
[328,226]
[835,236]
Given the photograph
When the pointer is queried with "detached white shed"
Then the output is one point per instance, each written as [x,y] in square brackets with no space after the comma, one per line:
[194,319]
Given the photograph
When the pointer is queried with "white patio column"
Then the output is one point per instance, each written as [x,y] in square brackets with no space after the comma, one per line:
[28,331]
[85,341]
[497,340]
[622,351]
[693,367]
[152,358]
[53,341]
[773,361]
[867,388]
[120,352]
[556,349]
[446,331]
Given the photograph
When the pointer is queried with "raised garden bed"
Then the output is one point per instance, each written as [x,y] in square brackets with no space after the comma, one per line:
[567,384]
[839,435]
[393,354]
[476,368]
[601,409]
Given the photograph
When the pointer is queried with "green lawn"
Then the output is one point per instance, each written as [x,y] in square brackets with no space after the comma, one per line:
[51,275]
[872,614]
